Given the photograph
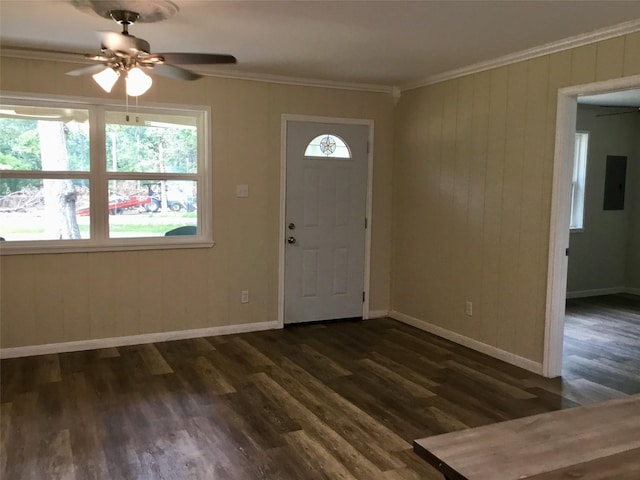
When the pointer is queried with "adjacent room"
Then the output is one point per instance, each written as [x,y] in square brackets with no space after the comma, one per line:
[319,240]
[603,280]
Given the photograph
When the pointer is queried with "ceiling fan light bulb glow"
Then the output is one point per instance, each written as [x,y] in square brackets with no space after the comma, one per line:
[138,82]
[107,78]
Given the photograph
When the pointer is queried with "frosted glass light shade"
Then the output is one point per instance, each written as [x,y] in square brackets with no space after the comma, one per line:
[138,82]
[107,78]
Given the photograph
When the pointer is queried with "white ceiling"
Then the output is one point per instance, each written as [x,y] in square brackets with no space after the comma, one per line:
[623,98]
[374,43]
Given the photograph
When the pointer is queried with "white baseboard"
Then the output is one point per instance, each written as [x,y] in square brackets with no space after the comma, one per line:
[490,350]
[135,339]
[378,314]
[632,291]
[596,291]
[603,291]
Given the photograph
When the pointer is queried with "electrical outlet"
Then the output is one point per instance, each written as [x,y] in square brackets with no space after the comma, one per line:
[244,296]
[468,309]
[242,190]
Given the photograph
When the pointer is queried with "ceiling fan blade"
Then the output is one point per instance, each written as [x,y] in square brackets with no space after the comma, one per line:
[40,50]
[86,70]
[174,72]
[197,58]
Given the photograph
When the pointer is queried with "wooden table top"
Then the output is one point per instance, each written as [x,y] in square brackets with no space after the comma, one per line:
[593,442]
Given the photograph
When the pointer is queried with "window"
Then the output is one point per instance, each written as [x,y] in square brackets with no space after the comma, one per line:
[578,181]
[327,145]
[77,177]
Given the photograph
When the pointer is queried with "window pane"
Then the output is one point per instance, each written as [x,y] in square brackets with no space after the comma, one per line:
[143,142]
[579,179]
[327,145]
[39,138]
[147,208]
[49,209]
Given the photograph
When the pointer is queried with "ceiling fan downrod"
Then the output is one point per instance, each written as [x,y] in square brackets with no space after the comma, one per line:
[124,18]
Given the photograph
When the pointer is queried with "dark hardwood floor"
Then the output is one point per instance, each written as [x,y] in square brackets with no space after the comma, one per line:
[602,344]
[327,401]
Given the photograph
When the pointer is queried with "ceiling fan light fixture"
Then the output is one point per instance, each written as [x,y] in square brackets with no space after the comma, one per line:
[107,78]
[138,82]
[124,52]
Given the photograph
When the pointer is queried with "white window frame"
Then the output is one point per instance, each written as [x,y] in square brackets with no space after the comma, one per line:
[99,177]
[578,181]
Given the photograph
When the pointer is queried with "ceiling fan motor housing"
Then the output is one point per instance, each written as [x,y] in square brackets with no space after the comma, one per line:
[130,44]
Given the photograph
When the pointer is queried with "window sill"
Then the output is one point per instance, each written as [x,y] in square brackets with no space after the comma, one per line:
[78,246]
[576,230]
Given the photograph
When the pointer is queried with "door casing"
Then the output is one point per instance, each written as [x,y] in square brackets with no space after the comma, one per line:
[561,212]
[283,197]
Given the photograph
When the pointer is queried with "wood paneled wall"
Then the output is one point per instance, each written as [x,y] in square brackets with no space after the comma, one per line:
[469,181]
[472,193]
[80,296]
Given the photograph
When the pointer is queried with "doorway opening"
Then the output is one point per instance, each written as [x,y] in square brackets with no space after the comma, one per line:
[561,209]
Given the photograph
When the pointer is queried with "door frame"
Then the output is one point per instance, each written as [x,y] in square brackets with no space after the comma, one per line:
[561,212]
[286,118]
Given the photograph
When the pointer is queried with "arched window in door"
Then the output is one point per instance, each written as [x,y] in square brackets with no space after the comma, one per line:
[327,145]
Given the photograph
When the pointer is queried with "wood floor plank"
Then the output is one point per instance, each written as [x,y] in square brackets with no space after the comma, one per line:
[329,400]
[415,467]
[321,366]
[224,460]
[211,379]
[59,459]
[153,359]
[317,457]
[21,438]
[368,436]
[5,426]
[585,391]
[504,387]
[463,413]
[347,453]
[395,378]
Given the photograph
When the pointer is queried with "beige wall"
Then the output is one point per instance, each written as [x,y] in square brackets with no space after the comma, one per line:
[472,176]
[601,253]
[472,193]
[71,297]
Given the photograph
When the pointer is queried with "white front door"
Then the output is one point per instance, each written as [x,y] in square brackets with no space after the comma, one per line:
[326,196]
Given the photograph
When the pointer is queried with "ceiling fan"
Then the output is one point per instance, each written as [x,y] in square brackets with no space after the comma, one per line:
[123,53]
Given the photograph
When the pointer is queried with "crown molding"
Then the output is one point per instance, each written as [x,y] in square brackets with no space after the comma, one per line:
[539,51]
[73,57]
[298,81]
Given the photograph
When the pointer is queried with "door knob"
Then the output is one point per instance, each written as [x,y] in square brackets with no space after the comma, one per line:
[291,240]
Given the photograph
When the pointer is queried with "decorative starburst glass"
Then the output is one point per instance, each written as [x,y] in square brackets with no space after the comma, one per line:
[327,145]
